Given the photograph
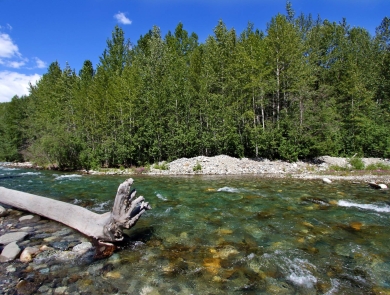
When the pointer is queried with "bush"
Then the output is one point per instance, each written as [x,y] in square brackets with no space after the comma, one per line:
[161,166]
[197,167]
[356,163]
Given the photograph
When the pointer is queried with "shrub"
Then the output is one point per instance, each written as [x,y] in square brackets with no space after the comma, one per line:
[197,167]
[161,166]
[356,163]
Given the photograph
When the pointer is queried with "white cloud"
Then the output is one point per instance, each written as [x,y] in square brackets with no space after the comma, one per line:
[16,64]
[12,83]
[40,64]
[7,47]
[11,57]
[121,18]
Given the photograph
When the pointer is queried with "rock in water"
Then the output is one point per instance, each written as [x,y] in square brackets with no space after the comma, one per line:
[9,252]
[326,180]
[28,254]
[377,185]
[12,237]
[3,211]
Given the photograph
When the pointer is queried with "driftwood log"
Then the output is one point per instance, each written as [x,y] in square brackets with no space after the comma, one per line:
[106,227]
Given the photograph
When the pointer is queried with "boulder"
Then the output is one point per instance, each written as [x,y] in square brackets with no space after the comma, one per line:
[10,252]
[377,185]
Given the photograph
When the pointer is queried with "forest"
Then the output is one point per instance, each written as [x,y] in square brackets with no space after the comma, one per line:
[305,87]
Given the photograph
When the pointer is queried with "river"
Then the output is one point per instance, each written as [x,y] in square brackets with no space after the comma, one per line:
[230,235]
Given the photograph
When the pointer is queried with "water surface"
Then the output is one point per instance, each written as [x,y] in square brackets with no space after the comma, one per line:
[231,235]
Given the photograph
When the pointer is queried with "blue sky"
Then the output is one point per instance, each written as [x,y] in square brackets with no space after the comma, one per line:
[34,34]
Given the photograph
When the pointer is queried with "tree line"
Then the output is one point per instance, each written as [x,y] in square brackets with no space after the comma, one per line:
[303,88]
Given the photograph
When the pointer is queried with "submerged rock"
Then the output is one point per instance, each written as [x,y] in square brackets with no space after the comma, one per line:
[28,253]
[10,252]
[3,211]
[377,185]
[12,237]
[29,218]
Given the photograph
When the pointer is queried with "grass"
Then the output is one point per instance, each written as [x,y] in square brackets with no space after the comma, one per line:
[161,166]
[356,167]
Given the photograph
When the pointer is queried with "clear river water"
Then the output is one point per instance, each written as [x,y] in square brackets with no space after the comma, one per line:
[231,234]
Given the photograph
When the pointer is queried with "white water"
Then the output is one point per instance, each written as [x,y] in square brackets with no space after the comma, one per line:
[229,189]
[161,197]
[71,176]
[298,273]
[376,208]
[30,173]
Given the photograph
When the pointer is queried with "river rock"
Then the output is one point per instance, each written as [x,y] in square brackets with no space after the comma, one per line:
[12,237]
[28,254]
[82,248]
[3,211]
[9,252]
[326,180]
[377,185]
[29,218]
[60,290]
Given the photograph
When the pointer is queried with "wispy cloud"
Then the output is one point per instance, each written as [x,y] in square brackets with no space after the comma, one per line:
[8,48]
[40,64]
[122,19]
[11,57]
[16,64]
[12,83]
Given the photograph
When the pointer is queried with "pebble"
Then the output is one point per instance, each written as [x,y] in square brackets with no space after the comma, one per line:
[82,248]
[10,252]
[10,268]
[3,211]
[29,218]
[28,254]
[12,237]
[60,290]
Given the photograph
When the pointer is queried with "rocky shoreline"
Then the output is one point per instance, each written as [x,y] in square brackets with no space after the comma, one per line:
[317,168]
[32,251]
[224,165]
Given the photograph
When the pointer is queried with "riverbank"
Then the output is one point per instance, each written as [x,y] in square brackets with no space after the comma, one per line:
[334,168]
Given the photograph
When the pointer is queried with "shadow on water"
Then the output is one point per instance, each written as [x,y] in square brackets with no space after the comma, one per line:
[10,177]
[144,235]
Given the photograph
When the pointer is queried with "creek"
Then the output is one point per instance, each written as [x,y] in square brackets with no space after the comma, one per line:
[229,235]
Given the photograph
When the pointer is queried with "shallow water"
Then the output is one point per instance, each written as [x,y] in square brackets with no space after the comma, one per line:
[231,235]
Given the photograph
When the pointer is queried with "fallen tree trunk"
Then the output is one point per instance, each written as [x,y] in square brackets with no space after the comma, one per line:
[106,227]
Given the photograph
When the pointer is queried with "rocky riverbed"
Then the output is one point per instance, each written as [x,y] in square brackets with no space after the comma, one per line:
[33,252]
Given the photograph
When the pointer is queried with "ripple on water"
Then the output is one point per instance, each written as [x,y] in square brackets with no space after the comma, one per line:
[376,208]
[296,239]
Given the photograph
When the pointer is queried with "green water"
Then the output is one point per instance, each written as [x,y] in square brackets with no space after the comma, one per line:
[232,235]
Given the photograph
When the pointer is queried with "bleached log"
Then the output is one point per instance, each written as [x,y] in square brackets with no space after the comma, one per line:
[106,227]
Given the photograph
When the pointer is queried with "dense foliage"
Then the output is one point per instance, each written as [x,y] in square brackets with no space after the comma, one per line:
[301,89]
